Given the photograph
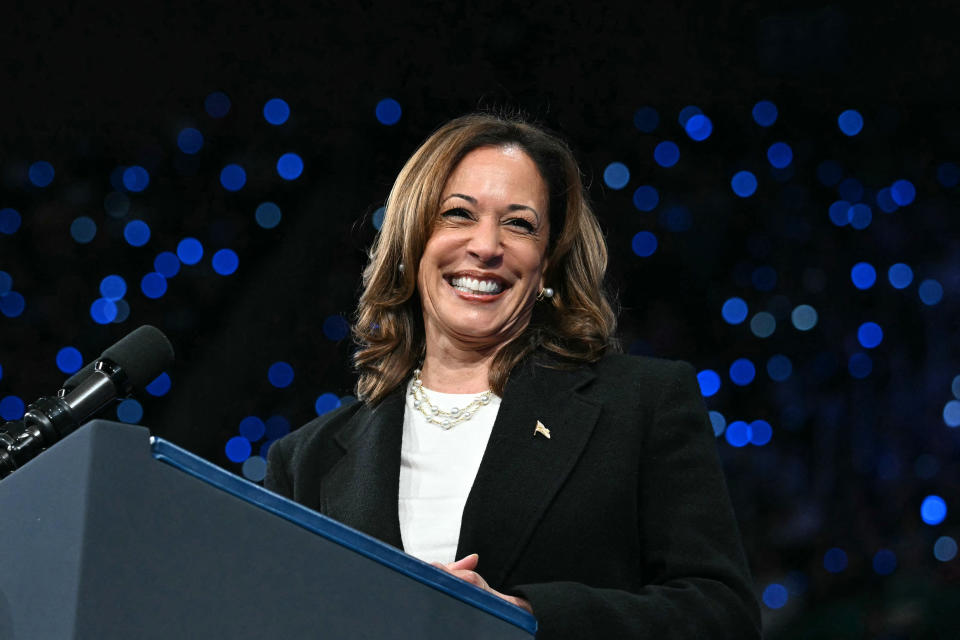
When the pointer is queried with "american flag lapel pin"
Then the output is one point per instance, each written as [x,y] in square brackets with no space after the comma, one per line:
[542,430]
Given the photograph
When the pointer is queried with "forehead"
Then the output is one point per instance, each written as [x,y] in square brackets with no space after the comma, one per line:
[506,169]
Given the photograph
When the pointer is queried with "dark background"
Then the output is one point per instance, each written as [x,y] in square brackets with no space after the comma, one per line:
[93,87]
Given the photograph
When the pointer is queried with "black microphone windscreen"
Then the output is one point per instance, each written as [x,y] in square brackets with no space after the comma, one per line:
[143,355]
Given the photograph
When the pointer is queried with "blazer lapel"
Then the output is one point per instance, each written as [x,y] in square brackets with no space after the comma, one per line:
[361,489]
[522,470]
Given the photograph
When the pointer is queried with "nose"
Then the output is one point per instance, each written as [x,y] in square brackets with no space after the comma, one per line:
[485,242]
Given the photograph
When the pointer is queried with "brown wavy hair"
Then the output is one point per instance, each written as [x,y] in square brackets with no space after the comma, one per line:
[574,326]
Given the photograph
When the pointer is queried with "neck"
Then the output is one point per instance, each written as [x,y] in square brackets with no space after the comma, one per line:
[449,368]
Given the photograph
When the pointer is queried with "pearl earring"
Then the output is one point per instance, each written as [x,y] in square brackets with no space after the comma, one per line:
[545,292]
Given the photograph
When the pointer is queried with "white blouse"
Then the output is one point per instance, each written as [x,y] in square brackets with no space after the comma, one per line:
[437,470]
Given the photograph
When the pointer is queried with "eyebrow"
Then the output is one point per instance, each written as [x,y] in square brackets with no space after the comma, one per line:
[473,201]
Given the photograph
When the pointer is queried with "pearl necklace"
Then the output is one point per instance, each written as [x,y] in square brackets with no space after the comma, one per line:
[436,415]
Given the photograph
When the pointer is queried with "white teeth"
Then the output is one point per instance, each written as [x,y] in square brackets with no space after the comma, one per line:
[472,285]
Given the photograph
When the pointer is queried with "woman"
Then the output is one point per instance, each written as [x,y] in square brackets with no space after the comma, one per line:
[497,435]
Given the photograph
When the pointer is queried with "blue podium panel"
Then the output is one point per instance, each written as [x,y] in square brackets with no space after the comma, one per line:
[100,540]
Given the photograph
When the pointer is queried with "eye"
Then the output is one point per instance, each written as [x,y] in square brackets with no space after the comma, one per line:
[526,225]
[457,212]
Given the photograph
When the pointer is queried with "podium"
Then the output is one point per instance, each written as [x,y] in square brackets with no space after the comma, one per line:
[114,534]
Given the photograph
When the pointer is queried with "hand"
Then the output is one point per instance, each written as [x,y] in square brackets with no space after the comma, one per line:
[464,569]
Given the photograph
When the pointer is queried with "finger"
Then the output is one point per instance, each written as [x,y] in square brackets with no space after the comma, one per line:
[473,578]
[468,563]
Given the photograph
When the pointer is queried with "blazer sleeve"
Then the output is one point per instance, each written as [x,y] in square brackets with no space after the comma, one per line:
[695,579]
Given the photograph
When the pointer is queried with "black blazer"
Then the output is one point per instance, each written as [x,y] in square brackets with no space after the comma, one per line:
[617,526]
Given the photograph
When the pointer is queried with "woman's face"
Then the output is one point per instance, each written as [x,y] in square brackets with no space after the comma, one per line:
[483,264]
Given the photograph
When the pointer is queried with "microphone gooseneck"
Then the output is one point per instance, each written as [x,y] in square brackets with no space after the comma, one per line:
[125,367]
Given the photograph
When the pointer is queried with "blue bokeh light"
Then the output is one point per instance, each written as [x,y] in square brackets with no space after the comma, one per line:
[388,111]
[252,428]
[860,216]
[69,360]
[718,422]
[190,141]
[933,510]
[153,285]
[378,217]
[688,112]
[277,426]
[336,328]
[41,173]
[217,104]
[760,433]
[945,549]
[280,374]
[676,218]
[116,204]
[839,213]
[325,403]
[646,119]
[870,335]
[764,113]
[9,221]
[884,562]
[276,111]
[860,365]
[709,382]
[900,275]
[763,324]
[129,411]
[646,198]
[780,155]
[290,166]
[764,278]
[12,304]
[903,192]
[189,251]
[136,178]
[6,282]
[103,311]
[166,264]
[644,244]
[775,596]
[930,291]
[238,449]
[698,127]
[744,184]
[850,190]
[113,287]
[136,233]
[666,154]
[804,317]
[738,433]
[225,262]
[835,560]
[83,229]
[885,200]
[268,215]
[779,367]
[948,174]
[160,385]
[734,310]
[863,275]
[12,408]
[254,468]
[850,122]
[123,311]
[742,372]
[616,175]
[233,177]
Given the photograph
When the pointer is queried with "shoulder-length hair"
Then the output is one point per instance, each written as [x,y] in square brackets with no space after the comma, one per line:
[575,325]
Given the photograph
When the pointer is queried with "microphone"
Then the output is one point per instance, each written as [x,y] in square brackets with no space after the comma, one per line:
[128,365]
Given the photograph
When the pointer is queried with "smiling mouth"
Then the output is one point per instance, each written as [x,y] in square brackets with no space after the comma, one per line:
[476,286]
